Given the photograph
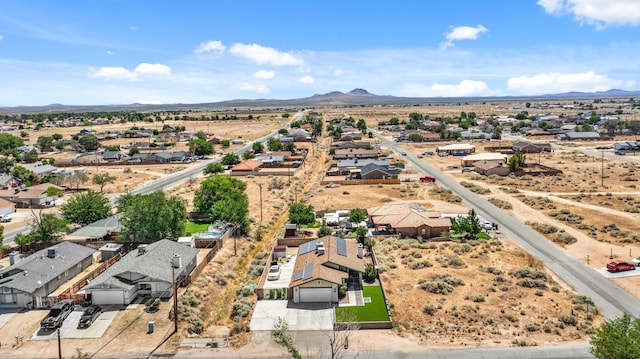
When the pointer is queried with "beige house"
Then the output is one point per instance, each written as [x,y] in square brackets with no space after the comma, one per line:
[322,265]
[408,220]
[488,168]
[469,161]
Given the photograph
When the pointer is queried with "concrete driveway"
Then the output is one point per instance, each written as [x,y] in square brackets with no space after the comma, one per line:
[7,314]
[607,274]
[70,328]
[286,271]
[304,316]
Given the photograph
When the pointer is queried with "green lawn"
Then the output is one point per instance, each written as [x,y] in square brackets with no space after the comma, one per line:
[375,311]
[193,228]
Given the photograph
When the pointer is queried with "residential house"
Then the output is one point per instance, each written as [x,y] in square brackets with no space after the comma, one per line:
[32,196]
[147,271]
[41,170]
[112,156]
[352,144]
[270,160]
[351,136]
[572,136]
[528,147]
[408,220]
[469,161]
[457,147]
[488,168]
[27,282]
[323,265]
[246,167]
[355,153]
[474,135]
[7,181]
[374,171]
[346,166]
[104,229]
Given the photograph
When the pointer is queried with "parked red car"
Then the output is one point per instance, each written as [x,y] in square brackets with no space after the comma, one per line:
[620,266]
[427,179]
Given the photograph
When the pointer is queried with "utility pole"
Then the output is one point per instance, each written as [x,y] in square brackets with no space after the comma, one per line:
[260,185]
[602,169]
[59,345]
[175,298]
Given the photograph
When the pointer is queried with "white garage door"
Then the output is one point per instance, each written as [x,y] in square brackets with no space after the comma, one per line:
[103,297]
[315,294]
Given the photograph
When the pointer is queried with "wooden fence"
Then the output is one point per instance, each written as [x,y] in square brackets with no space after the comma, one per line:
[75,287]
[200,267]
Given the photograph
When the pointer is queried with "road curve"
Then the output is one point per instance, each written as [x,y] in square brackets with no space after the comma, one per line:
[608,296]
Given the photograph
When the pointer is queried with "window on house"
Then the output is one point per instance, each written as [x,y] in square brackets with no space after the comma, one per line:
[145,286]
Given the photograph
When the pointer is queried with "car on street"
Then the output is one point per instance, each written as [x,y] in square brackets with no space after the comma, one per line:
[620,266]
[89,316]
[427,179]
[636,261]
[58,313]
[5,218]
[274,273]
[404,153]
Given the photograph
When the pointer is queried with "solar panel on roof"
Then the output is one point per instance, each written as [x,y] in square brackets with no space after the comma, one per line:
[297,275]
[342,247]
[308,271]
[308,247]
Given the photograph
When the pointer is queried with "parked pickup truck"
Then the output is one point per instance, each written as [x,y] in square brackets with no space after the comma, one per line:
[58,313]
[427,179]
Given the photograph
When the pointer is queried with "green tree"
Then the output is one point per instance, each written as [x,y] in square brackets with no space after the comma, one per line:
[469,224]
[361,233]
[56,136]
[414,137]
[299,213]
[257,147]
[45,143]
[22,240]
[134,151]
[415,116]
[324,230]
[89,142]
[516,161]
[618,338]
[47,228]
[102,179]
[248,155]
[225,143]
[274,144]
[357,215]
[215,167]
[30,157]
[152,217]
[224,199]
[23,175]
[9,142]
[370,272]
[230,159]
[77,178]
[86,208]
[54,191]
[6,163]
[200,147]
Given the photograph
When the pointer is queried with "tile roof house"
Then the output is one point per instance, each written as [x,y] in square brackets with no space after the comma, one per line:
[246,167]
[146,271]
[31,196]
[346,166]
[31,279]
[408,220]
[322,265]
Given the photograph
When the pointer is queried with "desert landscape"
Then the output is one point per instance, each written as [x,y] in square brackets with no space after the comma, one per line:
[441,294]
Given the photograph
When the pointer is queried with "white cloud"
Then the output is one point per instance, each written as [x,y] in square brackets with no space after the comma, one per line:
[306,80]
[465,88]
[599,13]
[254,88]
[264,74]
[265,55]
[153,69]
[121,73]
[109,53]
[546,83]
[215,47]
[1,37]
[338,72]
[462,33]
[133,27]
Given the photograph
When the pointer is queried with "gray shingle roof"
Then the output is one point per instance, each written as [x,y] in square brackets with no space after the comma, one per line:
[154,264]
[100,228]
[36,270]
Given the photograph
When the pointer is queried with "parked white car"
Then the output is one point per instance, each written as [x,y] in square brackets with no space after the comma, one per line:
[274,273]
[636,261]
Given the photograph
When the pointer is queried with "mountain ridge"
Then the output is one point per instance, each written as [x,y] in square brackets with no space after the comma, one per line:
[357,96]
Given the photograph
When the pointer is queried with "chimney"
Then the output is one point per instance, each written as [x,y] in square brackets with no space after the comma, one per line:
[319,248]
[360,250]
[14,257]
[52,252]
[177,261]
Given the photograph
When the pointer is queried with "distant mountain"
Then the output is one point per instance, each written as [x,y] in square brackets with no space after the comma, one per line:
[355,97]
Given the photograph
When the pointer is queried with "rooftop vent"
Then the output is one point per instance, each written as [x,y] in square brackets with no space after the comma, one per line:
[52,252]
[142,249]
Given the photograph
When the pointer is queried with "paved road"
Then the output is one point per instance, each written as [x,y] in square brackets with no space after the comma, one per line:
[608,296]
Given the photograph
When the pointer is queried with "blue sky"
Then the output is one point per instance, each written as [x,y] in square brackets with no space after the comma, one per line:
[80,52]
